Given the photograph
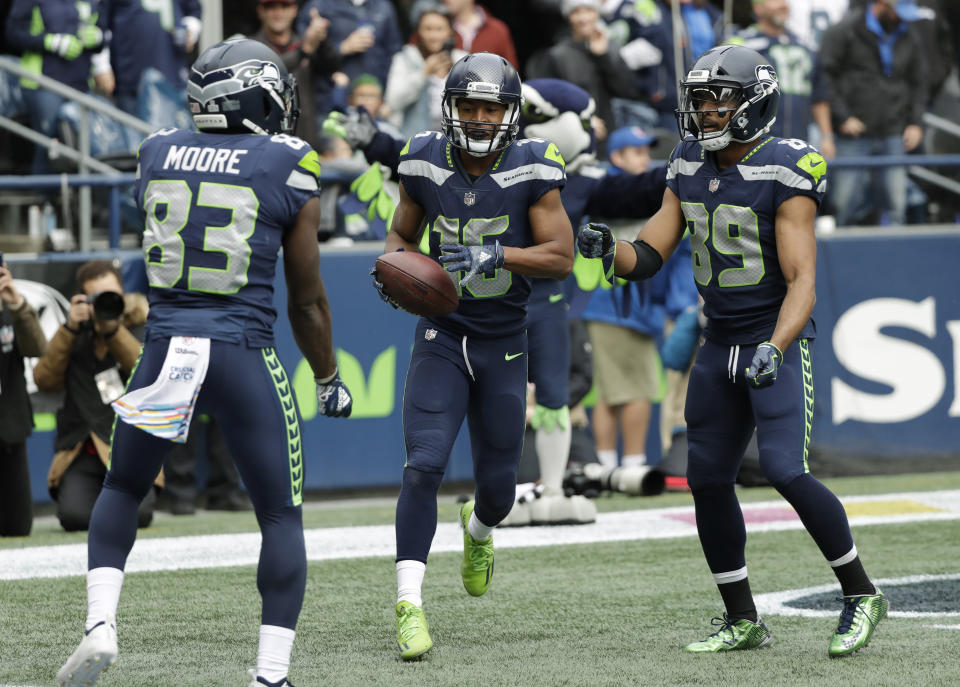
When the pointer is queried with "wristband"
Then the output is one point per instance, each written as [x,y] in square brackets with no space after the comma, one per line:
[327,380]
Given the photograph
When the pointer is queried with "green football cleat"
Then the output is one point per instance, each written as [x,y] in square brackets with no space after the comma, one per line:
[476,570]
[413,635]
[732,635]
[858,621]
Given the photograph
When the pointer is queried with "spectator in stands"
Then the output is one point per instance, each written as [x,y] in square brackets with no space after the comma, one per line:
[150,35]
[418,72]
[802,90]
[20,337]
[625,323]
[366,35]
[63,40]
[810,18]
[309,58]
[90,358]
[586,59]
[180,474]
[877,104]
[479,31]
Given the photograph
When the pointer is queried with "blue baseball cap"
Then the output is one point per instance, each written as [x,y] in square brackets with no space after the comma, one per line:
[629,136]
[907,10]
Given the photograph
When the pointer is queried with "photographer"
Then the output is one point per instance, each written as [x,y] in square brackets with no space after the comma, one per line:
[418,71]
[90,358]
[20,336]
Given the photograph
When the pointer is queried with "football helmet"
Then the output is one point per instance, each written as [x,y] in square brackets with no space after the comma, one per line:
[737,80]
[481,76]
[242,86]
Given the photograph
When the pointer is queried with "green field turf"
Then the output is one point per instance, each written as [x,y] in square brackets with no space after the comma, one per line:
[596,614]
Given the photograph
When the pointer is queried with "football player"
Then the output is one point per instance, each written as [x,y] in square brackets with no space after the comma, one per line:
[749,201]
[491,207]
[219,206]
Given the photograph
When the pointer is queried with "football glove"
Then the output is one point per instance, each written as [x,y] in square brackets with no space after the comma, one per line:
[764,366]
[355,126]
[66,45]
[91,36]
[378,285]
[333,397]
[473,260]
[596,241]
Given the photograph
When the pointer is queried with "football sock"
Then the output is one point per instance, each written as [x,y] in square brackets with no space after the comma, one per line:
[553,450]
[851,575]
[634,460]
[822,514]
[273,654]
[737,598]
[723,536]
[103,594]
[410,581]
[417,513]
[607,457]
[477,529]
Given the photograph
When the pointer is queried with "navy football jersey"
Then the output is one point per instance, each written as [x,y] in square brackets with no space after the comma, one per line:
[494,207]
[731,217]
[217,207]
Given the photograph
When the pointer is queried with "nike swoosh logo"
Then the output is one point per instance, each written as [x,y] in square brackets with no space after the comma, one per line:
[556,297]
[816,164]
[511,356]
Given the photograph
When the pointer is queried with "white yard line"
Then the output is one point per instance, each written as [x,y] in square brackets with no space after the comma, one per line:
[215,551]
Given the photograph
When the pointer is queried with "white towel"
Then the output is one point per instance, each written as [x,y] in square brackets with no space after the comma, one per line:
[165,408]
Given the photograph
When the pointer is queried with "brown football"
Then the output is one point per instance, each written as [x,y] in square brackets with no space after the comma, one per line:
[417,283]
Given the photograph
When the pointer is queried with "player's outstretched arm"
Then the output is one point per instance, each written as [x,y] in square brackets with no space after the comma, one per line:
[551,254]
[307,304]
[642,258]
[797,252]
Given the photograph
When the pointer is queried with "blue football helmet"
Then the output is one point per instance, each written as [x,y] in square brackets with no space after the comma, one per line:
[738,80]
[242,86]
[481,76]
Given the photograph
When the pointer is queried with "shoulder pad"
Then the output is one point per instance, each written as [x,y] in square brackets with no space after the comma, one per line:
[538,150]
[419,144]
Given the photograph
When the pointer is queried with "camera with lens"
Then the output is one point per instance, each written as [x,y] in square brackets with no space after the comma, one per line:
[107,305]
[448,45]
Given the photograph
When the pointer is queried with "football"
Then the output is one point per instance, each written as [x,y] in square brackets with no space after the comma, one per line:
[417,283]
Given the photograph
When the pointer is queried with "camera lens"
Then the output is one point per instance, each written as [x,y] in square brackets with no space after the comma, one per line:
[107,305]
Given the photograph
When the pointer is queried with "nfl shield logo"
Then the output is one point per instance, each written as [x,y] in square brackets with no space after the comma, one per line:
[430,334]
[469,198]
[713,185]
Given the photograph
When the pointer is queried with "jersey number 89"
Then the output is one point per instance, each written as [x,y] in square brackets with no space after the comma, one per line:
[734,230]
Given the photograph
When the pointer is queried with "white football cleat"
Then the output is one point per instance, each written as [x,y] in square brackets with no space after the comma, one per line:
[96,653]
[256,682]
[563,510]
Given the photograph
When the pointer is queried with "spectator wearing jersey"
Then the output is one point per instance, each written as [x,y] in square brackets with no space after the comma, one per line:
[63,40]
[309,58]
[146,34]
[803,95]
[365,34]
[876,73]
[418,73]
[479,31]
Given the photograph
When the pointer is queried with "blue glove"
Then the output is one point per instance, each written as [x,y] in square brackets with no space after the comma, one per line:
[765,364]
[378,285]
[678,349]
[333,397]
[596,241]
[473,259]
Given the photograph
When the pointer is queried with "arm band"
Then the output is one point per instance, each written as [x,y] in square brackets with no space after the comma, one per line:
[648,264]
